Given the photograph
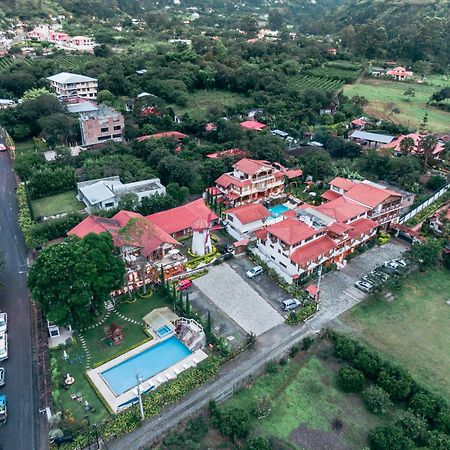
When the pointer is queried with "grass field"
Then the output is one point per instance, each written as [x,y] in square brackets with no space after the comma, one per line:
[56,204]
[203,101]
[413,330]
[384,96]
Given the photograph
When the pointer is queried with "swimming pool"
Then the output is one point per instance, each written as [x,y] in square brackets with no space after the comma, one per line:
[161,332]
[277,210]
[147,364]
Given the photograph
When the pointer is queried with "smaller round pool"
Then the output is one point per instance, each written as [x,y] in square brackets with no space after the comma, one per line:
[163,331]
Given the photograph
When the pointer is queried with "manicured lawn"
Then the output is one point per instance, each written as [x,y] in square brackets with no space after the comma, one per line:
[384,96]
[305,400]
[100,352]
[413,330]
[202,101]
[56,204]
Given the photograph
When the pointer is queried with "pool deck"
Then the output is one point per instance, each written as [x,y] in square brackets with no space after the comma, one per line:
[169,374]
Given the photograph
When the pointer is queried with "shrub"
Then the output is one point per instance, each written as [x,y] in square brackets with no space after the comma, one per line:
[258,443]
[55,228]
[414,427]
[302,314]
[345,349]
[435,182]
[396,383]
[424,404]
[368,363]
[438,441]
[235,423]
[389,438]
[443,420]
[376,399]
[350,379]
[271,367]
[24,216]
[307,342]
[293,351]
[48,182]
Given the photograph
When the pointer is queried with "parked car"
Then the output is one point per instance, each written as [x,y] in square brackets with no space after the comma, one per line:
[2,376]
[3,409]
[290,304]
[3,322]
[371,279]
[3,346]
[401,262]
[2,145]
[255,271]
[364,286]
[184,284]
[382,276]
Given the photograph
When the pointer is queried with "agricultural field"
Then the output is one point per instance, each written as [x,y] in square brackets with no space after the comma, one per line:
[73,62]
[386,96]
[8,61]
[307,411]
[412,330]
[303,82]
[202,101]
[56,204]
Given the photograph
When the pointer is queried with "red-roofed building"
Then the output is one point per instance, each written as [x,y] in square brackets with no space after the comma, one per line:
[232,152]
[399,73]
[253,125]
[167,134]
[438,221]
[415,149]
[343,209]
[253,181]
[358,124]
[241,221]
[179,221]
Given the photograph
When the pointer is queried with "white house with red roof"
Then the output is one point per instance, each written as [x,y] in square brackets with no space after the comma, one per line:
[253,125]
[437,222]
[399,73]
[242,220]
[395,145]
[312,237]
[178,222]
[381,204]
[253,180]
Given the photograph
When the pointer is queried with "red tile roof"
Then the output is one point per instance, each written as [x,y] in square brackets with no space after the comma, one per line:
[312,289]
[359,122]
[416,137]
[253,125]
[369,195]
[399,71]
[361,226]
[342,183]
[230,152]
[338,228]
[261,234]
[311,251]
[291,231]
[330,195]
[167,134]
[293,173]
[123,217]
[182,217]
[342,209]
[249,213]
[252,166]
[94,224]
[226,180]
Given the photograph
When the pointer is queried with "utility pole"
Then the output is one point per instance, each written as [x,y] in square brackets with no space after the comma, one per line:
[318,284]
[141,406]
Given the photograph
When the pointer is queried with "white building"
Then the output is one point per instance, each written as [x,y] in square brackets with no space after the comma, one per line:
[241,221]
[71,85]
[105,193]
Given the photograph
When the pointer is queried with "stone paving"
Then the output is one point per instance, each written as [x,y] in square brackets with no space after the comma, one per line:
[238,299]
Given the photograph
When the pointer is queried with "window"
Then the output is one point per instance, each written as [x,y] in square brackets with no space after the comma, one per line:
[283,265]
[104,130]
[273,257]
[54,333]
[279,251]
[230,218]
[117,127]
[119,135]
[103,138]
[109,204]
[272,246]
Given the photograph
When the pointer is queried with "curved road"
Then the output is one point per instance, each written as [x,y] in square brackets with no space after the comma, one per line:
[20,432]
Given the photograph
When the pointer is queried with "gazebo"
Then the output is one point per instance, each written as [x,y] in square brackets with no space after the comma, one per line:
[159,318]
[114,334]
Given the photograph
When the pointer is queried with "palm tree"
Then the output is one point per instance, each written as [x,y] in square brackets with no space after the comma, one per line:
[406,145]
[427,145]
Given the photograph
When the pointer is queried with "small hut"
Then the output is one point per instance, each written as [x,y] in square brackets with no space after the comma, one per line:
[114,334]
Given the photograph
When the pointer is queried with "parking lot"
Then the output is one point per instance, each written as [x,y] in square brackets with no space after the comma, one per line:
[239,299]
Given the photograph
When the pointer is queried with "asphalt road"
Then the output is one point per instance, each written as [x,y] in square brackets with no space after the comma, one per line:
[19,433]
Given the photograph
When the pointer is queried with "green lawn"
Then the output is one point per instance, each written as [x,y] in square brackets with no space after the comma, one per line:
[413,330]
[304,395]
[100,352]
[384,96]
[56,204]
[203,101]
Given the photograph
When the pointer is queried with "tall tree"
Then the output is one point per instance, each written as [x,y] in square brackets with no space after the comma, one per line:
[406,145]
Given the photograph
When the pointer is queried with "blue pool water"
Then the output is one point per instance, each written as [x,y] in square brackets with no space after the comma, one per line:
[277,210]
[161,332]
[147,364]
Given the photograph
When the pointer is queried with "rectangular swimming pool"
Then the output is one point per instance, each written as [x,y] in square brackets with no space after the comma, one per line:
[147,364]
[277,210]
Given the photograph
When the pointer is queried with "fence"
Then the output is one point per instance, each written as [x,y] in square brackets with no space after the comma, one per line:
[424,204]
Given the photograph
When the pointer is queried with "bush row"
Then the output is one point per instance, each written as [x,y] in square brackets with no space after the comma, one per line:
[51,181]
[426,411]
[24,215]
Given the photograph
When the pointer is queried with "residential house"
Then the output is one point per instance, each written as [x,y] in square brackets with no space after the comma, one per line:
[166,135]
[328,109]
[232,152]
[6,103]
[378,72]
[358,124]
[396,145]
[178,221]
[399,73]
[438,221]
[68,85]
[382,205]
[252,181]
[309,238]
[101,125]
[373,140]
[105,193]
[242,220]
[82,43]
[253,125]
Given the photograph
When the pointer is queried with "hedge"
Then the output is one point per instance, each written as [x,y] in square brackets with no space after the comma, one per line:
[55,228]
[51,181]
[24,215]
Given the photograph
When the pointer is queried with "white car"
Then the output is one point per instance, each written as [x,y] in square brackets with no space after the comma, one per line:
[290,304]
[2,376]
[254,272]
[364,286]
[3,346]
[3,322]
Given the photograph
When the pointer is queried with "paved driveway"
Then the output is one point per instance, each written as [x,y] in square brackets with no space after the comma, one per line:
[233,295]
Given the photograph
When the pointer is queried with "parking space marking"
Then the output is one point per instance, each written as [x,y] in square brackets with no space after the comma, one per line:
[352,296]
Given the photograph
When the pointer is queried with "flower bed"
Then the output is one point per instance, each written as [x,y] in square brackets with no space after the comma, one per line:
[302,314]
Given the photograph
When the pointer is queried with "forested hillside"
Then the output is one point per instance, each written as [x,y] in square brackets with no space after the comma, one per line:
[405,29]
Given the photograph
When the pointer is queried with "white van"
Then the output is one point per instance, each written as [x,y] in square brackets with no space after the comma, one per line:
[3,346]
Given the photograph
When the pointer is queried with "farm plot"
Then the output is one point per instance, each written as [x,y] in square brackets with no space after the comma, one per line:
[73,62]
[346,75]
[7,62]
[304,82]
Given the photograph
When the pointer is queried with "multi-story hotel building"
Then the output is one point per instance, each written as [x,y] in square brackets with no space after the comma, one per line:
[71,85]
